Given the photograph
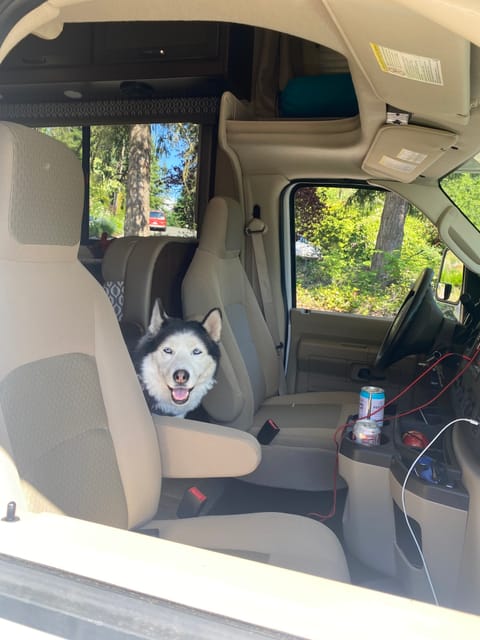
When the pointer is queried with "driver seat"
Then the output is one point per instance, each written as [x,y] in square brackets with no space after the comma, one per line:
[247,389]
[76,435]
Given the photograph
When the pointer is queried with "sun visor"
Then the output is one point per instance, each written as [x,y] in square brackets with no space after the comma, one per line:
[404,152]
[411,61]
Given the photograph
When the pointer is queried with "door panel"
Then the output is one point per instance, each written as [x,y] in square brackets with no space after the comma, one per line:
[336,351]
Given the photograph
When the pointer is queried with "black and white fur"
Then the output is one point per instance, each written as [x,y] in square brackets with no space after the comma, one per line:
[177,361]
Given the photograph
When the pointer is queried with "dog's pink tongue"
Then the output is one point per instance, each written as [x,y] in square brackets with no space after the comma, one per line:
[180,394]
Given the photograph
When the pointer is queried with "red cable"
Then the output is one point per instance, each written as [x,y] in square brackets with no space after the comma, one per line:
[470,360]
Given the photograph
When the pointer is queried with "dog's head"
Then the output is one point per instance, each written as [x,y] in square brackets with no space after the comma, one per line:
[178,360]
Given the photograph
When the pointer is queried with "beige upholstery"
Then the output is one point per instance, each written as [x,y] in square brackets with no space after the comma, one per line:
[114,271]
[141,269]
[75,433]
[247,390]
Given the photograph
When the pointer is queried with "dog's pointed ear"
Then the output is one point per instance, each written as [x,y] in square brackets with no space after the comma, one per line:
[212,324]
[158,317]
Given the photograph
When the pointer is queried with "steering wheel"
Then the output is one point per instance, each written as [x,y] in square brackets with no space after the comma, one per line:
[415,326]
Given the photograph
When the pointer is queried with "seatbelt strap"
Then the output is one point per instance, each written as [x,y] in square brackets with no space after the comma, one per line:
[256,229]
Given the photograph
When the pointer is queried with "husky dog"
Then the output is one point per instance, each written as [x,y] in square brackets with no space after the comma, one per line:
[177,361]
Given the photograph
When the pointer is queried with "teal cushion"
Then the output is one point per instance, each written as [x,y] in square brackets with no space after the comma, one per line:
[326,96]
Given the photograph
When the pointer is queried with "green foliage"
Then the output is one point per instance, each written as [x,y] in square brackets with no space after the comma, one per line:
[463,187]
[108,170]
[344,222]
[98,225]
[173,172]
[71,136]
[182,139]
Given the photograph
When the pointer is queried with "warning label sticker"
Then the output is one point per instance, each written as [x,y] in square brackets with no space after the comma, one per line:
[397,165]
[412,156]
[408,65]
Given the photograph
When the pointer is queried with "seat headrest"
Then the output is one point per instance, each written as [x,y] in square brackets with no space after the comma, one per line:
[223,227]
[41,197]
[114,263]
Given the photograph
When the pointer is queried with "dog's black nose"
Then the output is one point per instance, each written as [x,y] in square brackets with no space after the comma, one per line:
[181,376]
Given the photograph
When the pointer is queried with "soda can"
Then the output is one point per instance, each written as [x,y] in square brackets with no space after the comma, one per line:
[366,433]
[372,401]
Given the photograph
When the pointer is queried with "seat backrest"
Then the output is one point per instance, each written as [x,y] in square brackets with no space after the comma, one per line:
[137,271]
[248,372]
[114,271]
[76,435]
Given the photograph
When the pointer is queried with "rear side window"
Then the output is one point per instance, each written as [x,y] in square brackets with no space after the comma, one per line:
[358,250]
[137,173]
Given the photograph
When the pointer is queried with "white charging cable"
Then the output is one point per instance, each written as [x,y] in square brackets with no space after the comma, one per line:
[404,485]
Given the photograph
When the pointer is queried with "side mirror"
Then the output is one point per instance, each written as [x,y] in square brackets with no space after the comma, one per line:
[450,279]
[444,291]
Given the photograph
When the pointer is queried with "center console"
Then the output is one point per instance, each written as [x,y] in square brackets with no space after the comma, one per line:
[435,502]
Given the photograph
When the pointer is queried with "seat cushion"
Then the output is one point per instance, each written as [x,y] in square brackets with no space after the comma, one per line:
[307,419]
[264,537]
[305,444]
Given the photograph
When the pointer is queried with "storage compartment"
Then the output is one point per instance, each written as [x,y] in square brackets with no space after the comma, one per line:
[438,517]
[368,521]
[375,528]
[158,58]
[296,78]
[423,428]
[418,428]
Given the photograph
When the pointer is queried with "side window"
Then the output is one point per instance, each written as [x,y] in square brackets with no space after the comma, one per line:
[357,249]
[142,177]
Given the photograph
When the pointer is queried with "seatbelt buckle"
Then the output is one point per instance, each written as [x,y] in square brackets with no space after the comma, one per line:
[268,432]
[192,503]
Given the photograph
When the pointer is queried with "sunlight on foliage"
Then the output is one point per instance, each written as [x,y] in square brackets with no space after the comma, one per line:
[173,172]
[344,224]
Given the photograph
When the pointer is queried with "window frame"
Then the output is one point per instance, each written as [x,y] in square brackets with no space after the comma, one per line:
[287,227]
[205,168]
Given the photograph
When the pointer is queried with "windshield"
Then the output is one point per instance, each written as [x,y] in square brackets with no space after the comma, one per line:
[463,187]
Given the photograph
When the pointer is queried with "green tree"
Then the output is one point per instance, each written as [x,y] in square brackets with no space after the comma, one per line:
[345,223]
[71,136]
[109,166]
[182,139]
[390,235]
[309,205]
[463,187]
[138,181]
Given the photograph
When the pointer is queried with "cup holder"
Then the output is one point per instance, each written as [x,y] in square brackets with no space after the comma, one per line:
[384,439]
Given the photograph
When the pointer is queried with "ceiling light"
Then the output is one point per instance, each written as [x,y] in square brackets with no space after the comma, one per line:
[72,94]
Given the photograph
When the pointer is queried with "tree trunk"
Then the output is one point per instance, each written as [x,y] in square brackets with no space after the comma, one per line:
[138,181]
[390,233]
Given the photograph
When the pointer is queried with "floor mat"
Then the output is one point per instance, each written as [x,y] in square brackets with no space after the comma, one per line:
[244,497]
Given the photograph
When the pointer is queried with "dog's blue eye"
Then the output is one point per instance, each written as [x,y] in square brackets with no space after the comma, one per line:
[167,350]
[196,352]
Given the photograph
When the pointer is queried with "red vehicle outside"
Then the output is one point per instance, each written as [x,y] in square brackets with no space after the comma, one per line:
[157,221]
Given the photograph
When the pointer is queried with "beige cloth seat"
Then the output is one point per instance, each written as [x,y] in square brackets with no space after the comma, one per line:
[76,436]
[137,271]
[114,271]
[247,392]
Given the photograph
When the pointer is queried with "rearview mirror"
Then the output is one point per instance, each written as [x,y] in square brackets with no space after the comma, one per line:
[450,279]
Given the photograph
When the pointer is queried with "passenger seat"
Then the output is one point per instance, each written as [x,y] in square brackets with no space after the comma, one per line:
[302,455]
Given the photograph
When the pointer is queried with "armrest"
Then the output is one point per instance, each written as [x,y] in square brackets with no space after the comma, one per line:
[191,449]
